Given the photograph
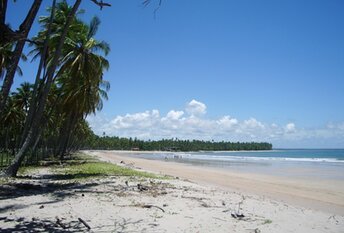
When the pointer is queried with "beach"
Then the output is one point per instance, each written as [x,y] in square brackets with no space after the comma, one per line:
[324,195]
[190,199]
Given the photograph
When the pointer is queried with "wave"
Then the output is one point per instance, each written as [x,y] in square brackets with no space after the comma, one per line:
[252,158]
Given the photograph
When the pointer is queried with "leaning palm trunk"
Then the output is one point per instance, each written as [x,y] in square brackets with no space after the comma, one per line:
[66,133]
[11,70]
[13,168]
[33,102]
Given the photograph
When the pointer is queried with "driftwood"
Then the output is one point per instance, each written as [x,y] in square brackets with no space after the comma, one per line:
[238,216]
[151,206]
[144,206]
[85,223]
[59,222]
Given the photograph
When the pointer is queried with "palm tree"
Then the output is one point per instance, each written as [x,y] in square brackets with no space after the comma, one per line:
[23,96]
[11,122]
[6,55]
[81,79]
[54,28]
[48,80]
[22,35]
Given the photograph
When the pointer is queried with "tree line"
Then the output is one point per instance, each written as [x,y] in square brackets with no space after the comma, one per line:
[174,144]
[49,114]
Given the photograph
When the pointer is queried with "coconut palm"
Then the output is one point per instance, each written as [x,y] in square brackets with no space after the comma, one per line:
[43,95]
[23,96]
[81,78]
[6,55]
[61,12]
[11,122]
[23,31]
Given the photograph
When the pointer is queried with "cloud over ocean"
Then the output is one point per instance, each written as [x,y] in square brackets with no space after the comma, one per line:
[192,123]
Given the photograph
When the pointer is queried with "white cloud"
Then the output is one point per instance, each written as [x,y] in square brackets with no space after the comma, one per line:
[290,128]
[252,123]
[151,125]
[196,108]
[174,115]
[140,120]
[227,122]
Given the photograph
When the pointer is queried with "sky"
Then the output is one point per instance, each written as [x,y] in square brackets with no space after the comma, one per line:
[220,70]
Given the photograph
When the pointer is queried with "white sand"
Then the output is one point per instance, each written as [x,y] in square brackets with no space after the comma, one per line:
[109,205]
[324,195]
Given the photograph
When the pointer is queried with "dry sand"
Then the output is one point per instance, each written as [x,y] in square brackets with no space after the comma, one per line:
[324,195]
[203,204]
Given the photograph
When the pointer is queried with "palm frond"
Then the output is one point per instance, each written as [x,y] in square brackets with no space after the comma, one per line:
[93,27]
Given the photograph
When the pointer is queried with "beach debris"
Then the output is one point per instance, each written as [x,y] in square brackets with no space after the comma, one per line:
[126,183]
[141,188]
[241,202]
[257,230]
[267,221]
[41,207]
[194,198]
[237,216]
[59,223]
[153,224]
[334,218]
[122,162]
[85,223]
[21,219]
[149,206]
[203,204]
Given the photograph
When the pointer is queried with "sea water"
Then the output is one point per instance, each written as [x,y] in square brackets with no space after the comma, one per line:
[300,163]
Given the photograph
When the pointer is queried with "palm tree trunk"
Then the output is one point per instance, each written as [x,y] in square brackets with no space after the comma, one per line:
[66,132]
[3,9]
[38,138]
[11,70]
[33,102]
[13,168]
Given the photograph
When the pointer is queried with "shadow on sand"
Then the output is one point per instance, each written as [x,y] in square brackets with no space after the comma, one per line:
[58,187]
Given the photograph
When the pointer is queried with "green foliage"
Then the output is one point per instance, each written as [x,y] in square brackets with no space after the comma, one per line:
[78,89]
[90,169]
[267,221]
[117,143]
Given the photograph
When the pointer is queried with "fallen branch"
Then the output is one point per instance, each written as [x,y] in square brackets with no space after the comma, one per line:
[85,223]
[143,206]
[237,216]
[194,198]
[151,206]
[59,222]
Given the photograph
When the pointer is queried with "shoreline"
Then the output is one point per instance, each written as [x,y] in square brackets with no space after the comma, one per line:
[323,195]
[103,197]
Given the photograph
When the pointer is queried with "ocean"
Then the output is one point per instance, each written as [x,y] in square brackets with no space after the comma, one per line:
[295,163]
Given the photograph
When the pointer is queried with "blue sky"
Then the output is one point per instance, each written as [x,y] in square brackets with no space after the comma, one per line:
[253,70]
